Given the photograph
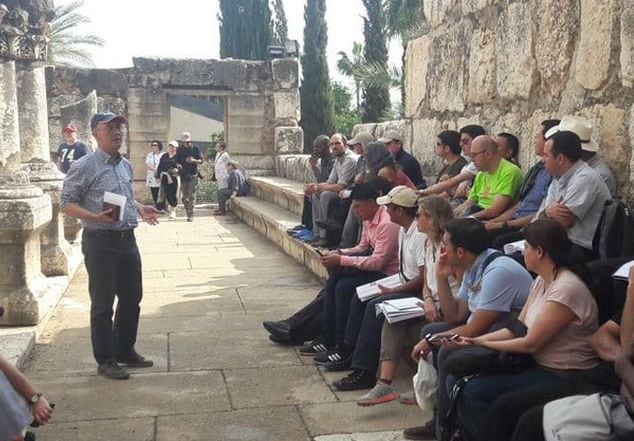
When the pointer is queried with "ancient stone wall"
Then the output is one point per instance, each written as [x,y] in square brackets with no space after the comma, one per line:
[261,97]
[508,65]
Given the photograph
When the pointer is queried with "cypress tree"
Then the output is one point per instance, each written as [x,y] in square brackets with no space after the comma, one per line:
[376,100]
[316,93]
[245,29]
[280,26]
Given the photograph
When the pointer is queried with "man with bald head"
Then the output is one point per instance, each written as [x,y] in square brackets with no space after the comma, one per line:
[327,192]
[495,186]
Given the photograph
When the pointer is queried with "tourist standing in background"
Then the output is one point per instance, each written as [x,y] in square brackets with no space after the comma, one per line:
[167,172]
[221,173]
[152,162]
[189,157]
[111,255]
[70,150]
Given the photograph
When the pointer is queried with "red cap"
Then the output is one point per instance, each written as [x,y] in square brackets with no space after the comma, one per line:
[70,128]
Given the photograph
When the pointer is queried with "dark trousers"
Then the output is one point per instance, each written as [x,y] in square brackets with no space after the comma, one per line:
[530,427]
[501,237]
[338,293]
[114,269]
[307,212]
[363,332]
[155,193]
[306,323]
[170,193]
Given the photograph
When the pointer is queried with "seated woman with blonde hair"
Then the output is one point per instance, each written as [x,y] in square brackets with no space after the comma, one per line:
[560,316]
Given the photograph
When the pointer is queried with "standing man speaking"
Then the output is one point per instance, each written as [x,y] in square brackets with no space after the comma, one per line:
[111,255]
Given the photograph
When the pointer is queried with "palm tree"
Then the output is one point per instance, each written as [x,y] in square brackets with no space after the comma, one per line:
[351,66]
[65,47]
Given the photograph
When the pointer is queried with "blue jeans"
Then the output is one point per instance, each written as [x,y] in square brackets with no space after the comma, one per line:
[478,395]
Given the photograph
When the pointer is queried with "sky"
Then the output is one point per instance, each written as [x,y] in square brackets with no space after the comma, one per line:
[149,28]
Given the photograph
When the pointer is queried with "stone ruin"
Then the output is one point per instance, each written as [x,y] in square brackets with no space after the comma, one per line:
[261,104]
[33,248]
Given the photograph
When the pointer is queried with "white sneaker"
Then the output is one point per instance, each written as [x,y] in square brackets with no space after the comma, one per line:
[173,214]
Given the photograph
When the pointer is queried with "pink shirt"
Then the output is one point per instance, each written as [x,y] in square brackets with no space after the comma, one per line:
[381,235]
[570,349]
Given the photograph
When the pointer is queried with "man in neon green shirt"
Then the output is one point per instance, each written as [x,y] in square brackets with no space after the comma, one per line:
[495,186]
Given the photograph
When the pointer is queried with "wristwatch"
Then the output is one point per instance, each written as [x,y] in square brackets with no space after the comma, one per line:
[35,398]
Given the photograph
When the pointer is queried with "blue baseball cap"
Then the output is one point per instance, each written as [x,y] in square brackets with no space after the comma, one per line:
[105,118]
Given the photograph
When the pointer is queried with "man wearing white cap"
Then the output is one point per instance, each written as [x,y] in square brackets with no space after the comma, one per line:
[189,157]
[583,129]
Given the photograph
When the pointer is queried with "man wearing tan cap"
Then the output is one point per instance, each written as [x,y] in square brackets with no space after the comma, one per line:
[409,164]
[70,150]
[583,129]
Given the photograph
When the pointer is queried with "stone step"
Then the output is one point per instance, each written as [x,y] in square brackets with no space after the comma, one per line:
[286,193]
[272,221]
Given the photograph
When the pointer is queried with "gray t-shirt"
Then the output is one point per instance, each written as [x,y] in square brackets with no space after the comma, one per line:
[344,169]
[502,286]
[582,190]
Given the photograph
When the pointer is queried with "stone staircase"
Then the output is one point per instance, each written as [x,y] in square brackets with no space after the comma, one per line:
[274,206]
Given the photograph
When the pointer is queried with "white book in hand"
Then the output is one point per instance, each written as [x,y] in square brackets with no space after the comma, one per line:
[514,247]
[623,272]
[371,290]
[116,203]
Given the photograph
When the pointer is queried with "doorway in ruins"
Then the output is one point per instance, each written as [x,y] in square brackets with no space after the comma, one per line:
[203,116]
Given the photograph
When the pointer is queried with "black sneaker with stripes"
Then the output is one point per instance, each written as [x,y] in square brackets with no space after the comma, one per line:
[313,348]
[333,356]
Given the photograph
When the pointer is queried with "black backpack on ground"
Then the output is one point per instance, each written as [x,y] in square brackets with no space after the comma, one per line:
[614,236]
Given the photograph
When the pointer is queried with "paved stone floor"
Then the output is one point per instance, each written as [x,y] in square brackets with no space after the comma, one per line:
[208,285]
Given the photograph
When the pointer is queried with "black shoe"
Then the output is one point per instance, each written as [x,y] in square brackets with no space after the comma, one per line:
[357,380]
[135,360]
[315,347]
[113,371]
[345,364]
[279,328]
[286,341]
[331,356]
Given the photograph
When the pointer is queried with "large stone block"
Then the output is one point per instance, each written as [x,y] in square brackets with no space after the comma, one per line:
[285,73]
[417,64]
[437,11]
[482,67]
[424,133]
[79,113]
[401,126]
[289,140]
[287,105]
[446,81]
[471,6]
[593,55]
[628,191]
[610,133]
[515,64]
[627,43]
[554,46]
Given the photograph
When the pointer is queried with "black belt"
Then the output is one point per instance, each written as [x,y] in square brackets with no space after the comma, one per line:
[114,234]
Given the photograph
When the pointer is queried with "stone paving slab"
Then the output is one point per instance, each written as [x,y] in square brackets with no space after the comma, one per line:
[137,429]
[277,386]
[263,424]
[80,398]
[376,436]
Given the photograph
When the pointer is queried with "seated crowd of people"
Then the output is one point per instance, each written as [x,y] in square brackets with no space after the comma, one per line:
[525,345]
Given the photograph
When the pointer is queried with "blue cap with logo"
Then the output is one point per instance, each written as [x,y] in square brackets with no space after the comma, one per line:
[105,117]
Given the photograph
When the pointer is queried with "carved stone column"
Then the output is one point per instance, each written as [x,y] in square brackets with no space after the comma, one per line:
[34,151]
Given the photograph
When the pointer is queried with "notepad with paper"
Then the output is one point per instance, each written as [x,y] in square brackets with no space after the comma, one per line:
[514,247]
[624,271]
[116,203]
[371,290]
[398,310]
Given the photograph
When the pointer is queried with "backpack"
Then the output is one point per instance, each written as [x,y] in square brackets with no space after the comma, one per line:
[614,236]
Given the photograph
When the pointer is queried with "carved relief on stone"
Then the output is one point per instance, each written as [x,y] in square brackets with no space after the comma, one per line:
[24,29]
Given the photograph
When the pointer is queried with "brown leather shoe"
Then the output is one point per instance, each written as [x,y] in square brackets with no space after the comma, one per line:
[426,432]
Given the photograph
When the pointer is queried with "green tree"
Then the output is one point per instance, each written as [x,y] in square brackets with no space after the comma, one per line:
[345,116]
[315,92]
[405,20]
[376,100]
[280,34]
[350,67]
[245,29]
[66,47]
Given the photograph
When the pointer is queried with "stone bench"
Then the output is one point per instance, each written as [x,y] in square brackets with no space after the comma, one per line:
[272,220]
[286,193]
